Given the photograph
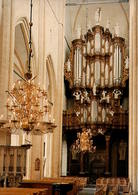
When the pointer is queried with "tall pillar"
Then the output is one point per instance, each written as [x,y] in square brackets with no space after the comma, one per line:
[133,95]
[69,165]
[5,51]
[58,101]
[81,163]
[107,138]
[64,158]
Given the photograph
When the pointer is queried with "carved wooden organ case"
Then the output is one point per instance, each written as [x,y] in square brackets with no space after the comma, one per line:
[97,71]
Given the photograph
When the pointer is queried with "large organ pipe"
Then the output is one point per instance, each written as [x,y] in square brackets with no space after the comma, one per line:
[120,65]
[75,66]
[97,72]
[106,46]
[85,115]
[83,79]
[80,64]
[83,73]
[117,68]
[114,64]
[82,115]
[97,42]
[102,81]
[92,111]
[91,78]
[106,74]
[111,77]
[88,74]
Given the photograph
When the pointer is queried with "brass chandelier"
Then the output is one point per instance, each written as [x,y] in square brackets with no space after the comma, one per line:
[84,142]
[28,104]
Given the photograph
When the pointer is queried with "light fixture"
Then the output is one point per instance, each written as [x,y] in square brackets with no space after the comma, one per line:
[84,142]
[28,104]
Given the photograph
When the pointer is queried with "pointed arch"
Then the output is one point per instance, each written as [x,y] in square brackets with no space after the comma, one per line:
[24,27]
[52,78]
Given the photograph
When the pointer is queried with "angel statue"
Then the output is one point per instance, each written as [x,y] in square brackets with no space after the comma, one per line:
[117,30]
[127,63]
[116,93]
[77,95]
[108,23]
[68,66]
[98,16]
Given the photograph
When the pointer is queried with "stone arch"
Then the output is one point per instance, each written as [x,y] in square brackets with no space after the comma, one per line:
[52,79]
[24,30]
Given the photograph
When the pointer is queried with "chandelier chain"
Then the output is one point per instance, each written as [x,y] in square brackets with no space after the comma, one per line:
[30,38]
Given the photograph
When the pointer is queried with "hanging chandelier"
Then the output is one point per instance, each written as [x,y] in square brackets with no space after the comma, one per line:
[28,104]
[84,142]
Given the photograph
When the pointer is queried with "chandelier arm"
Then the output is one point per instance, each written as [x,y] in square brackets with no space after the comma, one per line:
[19,75]
[12,96]
[34,78]
[9,93]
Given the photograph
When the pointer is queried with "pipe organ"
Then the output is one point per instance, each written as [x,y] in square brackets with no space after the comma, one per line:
[97,59]
[97,72]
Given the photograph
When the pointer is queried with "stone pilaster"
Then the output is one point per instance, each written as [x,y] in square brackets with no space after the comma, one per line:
[81,163]
[58,109]
[133,95]
[107,139]
[5,49]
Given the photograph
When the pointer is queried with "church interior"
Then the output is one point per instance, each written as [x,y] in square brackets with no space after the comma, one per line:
[68,97]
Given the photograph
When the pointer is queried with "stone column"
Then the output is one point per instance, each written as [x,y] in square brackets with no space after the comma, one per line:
[81,163]
[58,100]
[69,165]
[38,33]
[5,49]
[64,158]
[107,138]
[133,95]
